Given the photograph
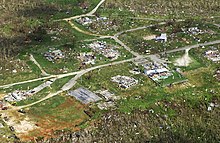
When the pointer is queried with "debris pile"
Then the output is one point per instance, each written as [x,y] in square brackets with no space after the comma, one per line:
[212,106]
[19,95]
[135,71]
[217,74]
[107,50]
[106,105]
[87,20]
[53,55]
[193,31]
[107,95]
[3,106]
[87,58]
[213,55]
[124,81]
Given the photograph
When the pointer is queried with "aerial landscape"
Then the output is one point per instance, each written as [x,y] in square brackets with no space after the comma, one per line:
[109,71]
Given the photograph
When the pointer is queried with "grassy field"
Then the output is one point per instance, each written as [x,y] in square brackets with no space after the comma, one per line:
[176,37]
[57,85]
[113,24]
[5,132]
[159,9]
[197,57]
[172,114]
[101,79]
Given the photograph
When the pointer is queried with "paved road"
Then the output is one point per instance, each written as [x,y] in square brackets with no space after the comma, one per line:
[38,79]
[27,81]
[78,74]
[155,58]
[96,8]
[73,81]
[150,19]
[80,30]
[84,15]
[43,99]
[143,27]
[191,47]
[218,25]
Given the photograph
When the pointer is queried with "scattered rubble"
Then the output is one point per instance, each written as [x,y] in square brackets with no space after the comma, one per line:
[53,55]
[124,81]
[107,95]
[87,20]
[19,95]
[106,105]
[217,74]
[87,58]
[193,31]
[3,105]
[213,55]
[107,50]
[1,125]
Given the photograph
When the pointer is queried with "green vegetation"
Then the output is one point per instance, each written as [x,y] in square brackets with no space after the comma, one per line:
[160,9]
[57,85]
[113,24]
[101,79]
[145,112]
[176,37]
[173,79]
[5,134]
[25,86]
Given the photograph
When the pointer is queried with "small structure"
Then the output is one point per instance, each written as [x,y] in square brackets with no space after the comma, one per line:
[87,58]
[213,55]
[124,81]
[53,55]
[135,71]
[156,71]
[85,96]
[19,95]
[16,96]
[162,37]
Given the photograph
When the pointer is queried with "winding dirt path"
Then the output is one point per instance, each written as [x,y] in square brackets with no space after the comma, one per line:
[78,74]
[43,72]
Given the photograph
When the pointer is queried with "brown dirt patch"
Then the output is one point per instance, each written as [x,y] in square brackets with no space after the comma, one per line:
[149,37]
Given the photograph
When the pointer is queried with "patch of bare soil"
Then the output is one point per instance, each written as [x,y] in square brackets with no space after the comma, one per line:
[20,123]
[183,61]
[149,37]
